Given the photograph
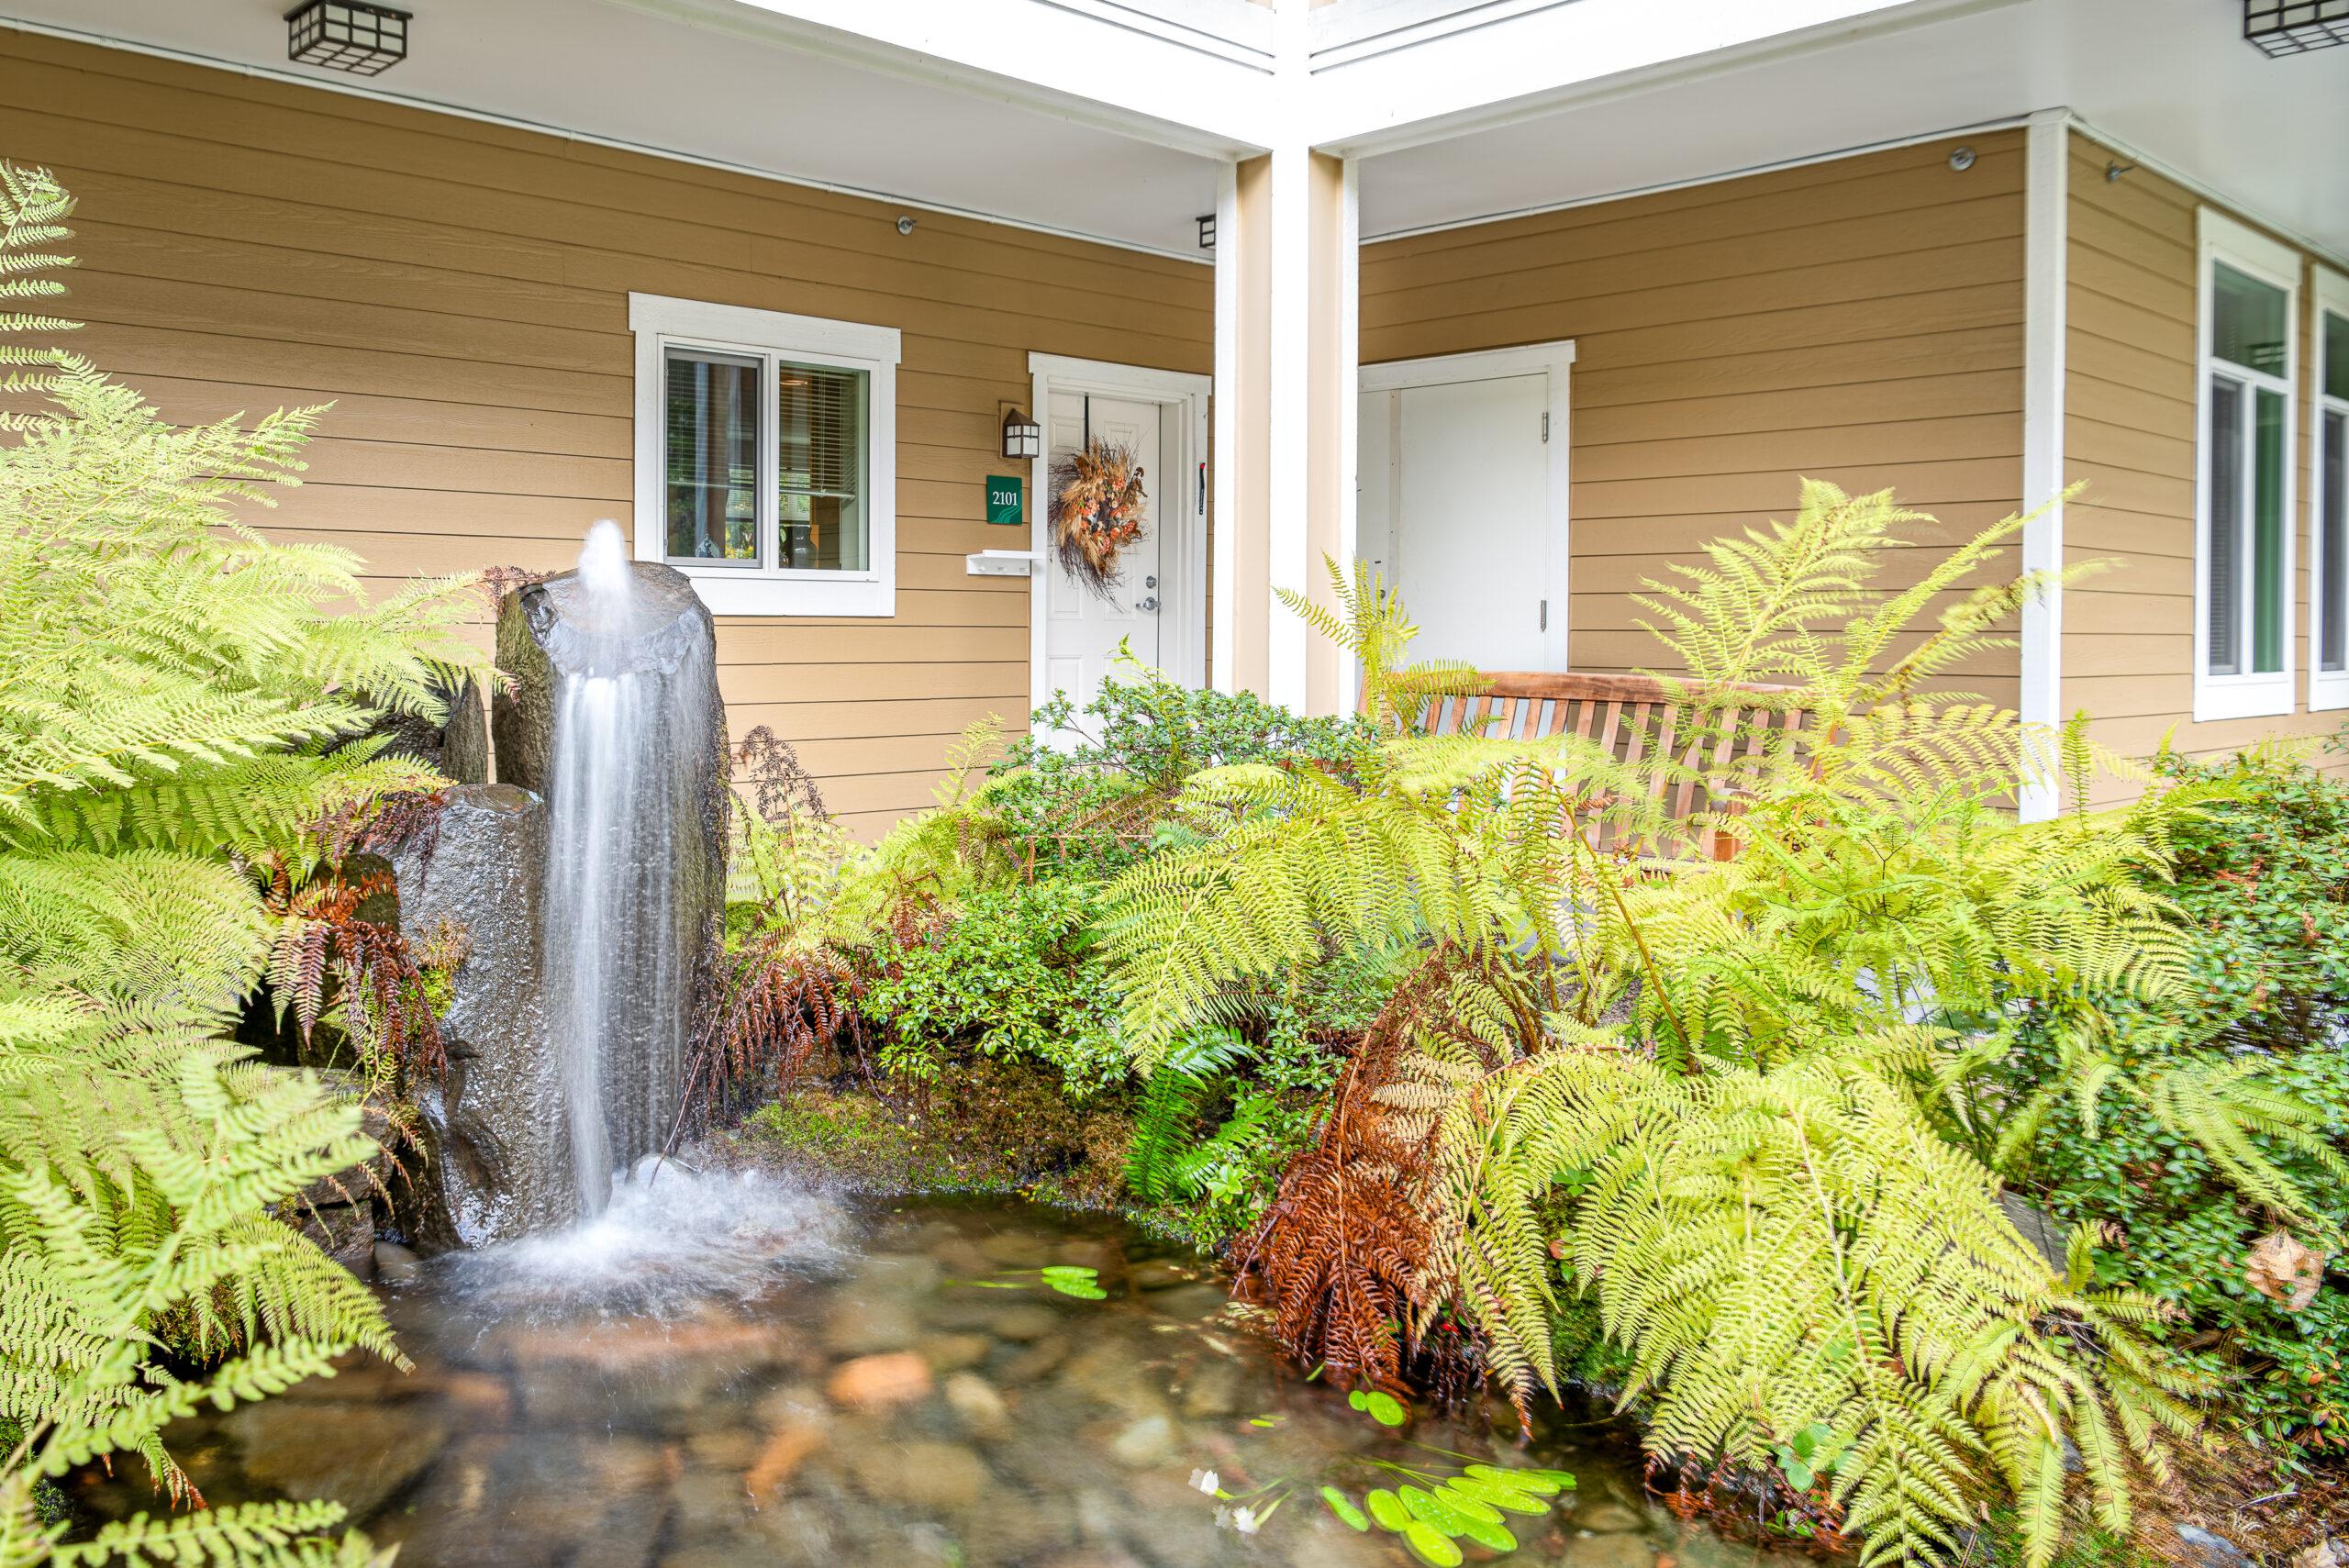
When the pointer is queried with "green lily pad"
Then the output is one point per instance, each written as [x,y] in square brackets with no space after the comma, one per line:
[1540,1483]
[1384,1409]
[1467,1504]
[1494,1538]
[1070,1280]
[1388,1510]
[1428,1508]
[1430,1545]
[1358,1400]
[1500,1494]
[1343,1507]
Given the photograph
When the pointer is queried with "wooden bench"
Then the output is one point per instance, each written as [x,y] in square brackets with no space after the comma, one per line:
[1634,718]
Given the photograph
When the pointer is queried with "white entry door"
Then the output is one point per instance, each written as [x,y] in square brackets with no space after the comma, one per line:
[1457,511]
[1083,627]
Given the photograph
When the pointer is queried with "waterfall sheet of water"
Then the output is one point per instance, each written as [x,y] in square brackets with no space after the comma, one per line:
[624,800]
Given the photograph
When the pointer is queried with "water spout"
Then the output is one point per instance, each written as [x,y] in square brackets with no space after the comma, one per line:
[623,803]
[603,567]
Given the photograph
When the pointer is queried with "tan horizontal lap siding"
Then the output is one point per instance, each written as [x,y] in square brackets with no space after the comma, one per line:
[458,292]
[1858,321]
[2131,350]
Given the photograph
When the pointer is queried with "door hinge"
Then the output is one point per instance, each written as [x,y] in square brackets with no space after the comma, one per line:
[1545,427]
[1545,605]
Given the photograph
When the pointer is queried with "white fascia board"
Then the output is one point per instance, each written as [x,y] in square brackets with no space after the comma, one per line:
[1111,66]
[1432,82]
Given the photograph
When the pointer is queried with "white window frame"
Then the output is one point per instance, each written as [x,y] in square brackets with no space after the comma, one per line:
[2327,688]
[661,323]
[2221,239]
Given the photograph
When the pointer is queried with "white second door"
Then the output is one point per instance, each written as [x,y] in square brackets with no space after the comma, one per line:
[1454,512]
[1081,627]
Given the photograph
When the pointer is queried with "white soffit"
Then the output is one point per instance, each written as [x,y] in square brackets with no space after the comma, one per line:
[2170,79]
[615,72]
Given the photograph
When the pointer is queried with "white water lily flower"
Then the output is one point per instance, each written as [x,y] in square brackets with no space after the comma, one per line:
[1206,1481]
[1245,1520]
[1224,1519]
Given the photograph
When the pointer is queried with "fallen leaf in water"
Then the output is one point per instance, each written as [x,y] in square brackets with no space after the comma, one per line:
[2282,1269]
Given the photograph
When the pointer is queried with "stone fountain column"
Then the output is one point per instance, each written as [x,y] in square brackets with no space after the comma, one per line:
[613,719]
[590,880]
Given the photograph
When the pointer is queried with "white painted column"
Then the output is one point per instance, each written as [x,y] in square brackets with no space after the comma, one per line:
[1224,466]
[1289,455]
[1349,398]
[2047,156]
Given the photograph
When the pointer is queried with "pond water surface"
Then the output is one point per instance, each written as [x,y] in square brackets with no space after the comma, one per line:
[729,1371]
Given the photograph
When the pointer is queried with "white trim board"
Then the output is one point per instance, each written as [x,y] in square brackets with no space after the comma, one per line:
[1554,360]
[2046,239]
[1182,398]
[1223,477]
[2328,295]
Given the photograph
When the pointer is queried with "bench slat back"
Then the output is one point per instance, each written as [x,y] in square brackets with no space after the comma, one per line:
[1633,717]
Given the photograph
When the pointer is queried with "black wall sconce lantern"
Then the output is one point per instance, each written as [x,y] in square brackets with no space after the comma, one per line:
[2279,28]
[347,34]
[1022,437]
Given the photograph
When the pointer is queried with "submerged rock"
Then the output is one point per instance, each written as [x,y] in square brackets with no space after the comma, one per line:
[358,1455]
[872,1383]
[499,1162]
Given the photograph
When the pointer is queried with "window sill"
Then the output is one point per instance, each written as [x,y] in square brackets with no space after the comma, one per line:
[2243,696]
[2328,691]
[731,592]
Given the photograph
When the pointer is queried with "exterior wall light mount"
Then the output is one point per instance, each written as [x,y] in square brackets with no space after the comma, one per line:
[347,34]
[1022,437]
[2279,28]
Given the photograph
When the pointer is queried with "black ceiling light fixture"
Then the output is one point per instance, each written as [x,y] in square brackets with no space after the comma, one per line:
[347,34]
[2279,28]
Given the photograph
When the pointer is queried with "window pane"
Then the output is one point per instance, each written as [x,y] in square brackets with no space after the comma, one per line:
[2268,536]
[2336,355]
[2247,324]
[2332,543]
[2225,595]
[712,431]
[822,419]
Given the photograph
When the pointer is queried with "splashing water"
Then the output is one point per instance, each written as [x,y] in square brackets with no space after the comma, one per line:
[622,799]
[661,1249]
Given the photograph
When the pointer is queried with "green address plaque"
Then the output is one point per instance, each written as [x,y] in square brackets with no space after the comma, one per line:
[1004,491]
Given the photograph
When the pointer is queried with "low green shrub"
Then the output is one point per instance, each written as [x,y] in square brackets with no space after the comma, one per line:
[2263,880]
[1087,790]
[1007,976]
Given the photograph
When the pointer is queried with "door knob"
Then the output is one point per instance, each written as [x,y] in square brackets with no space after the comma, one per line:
[1149,603]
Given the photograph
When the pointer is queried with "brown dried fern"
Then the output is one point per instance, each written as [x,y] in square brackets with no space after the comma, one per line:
[1341,1254]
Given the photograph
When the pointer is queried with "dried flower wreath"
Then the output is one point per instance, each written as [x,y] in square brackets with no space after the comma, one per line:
[1097,511]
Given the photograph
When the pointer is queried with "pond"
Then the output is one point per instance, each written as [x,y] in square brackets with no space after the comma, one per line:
[728,1370]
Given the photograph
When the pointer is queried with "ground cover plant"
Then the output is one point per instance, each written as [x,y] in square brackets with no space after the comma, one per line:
[176,704]
[2262,887]
[1728,1135]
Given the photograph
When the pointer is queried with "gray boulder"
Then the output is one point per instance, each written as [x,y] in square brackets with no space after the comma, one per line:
[499,1164]
[464,739]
